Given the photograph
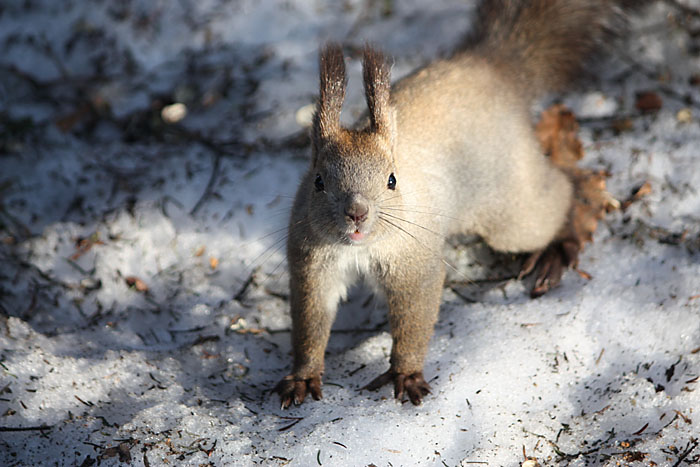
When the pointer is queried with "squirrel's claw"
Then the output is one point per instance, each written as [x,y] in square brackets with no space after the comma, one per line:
[549,265]
[414,385]
[294,390]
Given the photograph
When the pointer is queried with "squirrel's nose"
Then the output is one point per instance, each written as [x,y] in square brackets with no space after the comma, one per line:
[356,211]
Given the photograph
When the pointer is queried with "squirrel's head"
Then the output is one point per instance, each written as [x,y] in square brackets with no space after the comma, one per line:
[353,172]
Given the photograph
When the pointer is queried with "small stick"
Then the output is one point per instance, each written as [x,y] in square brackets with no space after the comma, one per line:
[26,428]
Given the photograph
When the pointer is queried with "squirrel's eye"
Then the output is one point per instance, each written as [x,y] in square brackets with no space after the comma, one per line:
[318,183]
[392,182]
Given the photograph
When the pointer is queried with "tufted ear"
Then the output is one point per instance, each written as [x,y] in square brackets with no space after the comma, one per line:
[326,121]
[377,81]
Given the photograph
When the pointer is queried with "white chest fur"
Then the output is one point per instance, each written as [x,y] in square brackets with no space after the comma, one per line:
[347,265]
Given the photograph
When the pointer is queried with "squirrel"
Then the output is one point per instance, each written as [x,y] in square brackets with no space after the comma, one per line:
[447,150]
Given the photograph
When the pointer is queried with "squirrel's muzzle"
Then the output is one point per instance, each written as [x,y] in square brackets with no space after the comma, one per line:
[356,209]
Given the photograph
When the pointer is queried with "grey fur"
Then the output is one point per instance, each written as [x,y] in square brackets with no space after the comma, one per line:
[456,136]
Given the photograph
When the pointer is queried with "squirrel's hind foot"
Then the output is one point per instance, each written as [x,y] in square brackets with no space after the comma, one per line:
[549,265]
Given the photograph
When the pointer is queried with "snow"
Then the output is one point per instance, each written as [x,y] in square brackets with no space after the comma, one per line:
[601,371]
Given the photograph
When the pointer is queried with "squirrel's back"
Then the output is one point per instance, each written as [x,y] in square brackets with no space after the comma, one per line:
[464,134]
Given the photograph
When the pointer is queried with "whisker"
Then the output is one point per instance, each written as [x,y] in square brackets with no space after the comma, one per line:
[407,233]
[266,235]
[392,208]
[412,223]
[279,245]
[398,195]
[272,273]
[435,254]
[272,249]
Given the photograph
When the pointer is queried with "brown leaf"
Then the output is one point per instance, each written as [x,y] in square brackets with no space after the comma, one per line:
[638,193]
[136,283]
[67,122]
[557,132]
[83,245]
[200,251]
[622,125]
[123,451]
[685,419]
[213,262]
[634,456]
[648,101]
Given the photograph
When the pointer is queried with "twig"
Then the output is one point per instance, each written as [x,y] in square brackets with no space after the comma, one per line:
[210,184]
[486,281]
[287,427]
[26,428]
[565,455]
[464,298]
[241,293]
[21,230]
[687,452]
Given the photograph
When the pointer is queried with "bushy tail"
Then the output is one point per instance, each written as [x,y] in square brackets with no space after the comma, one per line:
[543,44]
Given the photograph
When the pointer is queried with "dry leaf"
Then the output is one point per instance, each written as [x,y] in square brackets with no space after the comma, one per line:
[637,194]
[622,125]
[136,283]
[213,262]
[200,251]
[67,122]
[648,101]
[208,356]
[634,456]
[83,245]
[557,132]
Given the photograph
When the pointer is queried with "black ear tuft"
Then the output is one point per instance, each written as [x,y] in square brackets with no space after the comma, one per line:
[332,91]
[377,81]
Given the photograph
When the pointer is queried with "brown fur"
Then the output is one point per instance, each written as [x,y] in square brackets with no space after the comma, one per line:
[542,44]
[326,120]
[447,150]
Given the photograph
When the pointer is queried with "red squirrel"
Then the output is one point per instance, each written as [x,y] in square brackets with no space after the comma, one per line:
[447,150]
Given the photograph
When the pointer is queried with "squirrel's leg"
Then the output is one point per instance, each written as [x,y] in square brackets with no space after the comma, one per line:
[414,300]
[314,297]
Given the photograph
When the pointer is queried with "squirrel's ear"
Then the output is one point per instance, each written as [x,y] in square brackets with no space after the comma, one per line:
[326,121]
[377,81]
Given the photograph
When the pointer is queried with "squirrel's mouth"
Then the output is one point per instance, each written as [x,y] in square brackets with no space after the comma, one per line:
[356,236]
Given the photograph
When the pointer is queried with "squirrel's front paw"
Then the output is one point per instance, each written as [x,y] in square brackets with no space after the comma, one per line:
[294,389]
[414,385]
[549,265]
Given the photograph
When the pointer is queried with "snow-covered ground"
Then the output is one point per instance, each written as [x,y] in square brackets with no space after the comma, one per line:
[143,311]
